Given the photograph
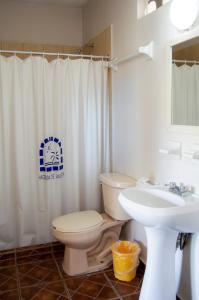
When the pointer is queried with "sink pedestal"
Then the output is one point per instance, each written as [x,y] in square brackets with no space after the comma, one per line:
[159,279]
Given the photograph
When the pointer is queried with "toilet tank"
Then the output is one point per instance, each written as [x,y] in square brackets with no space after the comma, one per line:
[112,185]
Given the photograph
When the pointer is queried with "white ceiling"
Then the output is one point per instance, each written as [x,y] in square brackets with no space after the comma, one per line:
[68,2]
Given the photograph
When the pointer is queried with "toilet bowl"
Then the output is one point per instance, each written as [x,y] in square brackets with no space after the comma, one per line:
[88,235]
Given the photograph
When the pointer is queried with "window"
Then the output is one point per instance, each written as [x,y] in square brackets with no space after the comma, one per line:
[152,5]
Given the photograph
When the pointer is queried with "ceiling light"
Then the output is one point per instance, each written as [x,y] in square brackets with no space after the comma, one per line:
[183,13]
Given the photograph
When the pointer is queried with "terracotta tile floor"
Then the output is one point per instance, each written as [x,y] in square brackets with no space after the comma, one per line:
[35,273]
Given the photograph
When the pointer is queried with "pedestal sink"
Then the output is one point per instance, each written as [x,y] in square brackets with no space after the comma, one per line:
[163,215]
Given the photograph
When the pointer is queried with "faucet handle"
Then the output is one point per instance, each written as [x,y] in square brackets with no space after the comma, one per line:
[172,185]
[183,188]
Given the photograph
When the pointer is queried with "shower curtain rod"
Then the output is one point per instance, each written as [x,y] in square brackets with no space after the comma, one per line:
[55,54]
[186,61]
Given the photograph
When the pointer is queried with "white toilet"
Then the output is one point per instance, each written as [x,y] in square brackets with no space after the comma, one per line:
[88,235]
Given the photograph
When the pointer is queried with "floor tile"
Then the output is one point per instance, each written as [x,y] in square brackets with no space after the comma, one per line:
[59,261]
[9,284]
[90,288]
[34,254]
[74,283]
[52,276]
[8,279]
[132,297]
[34,258]
[111,276]
[102,298]
[59,255]
[25,268]
[63,297]
[50,264]
[41,277]
[7,255]
[107,293]
[26,259]
[27,281]
[78,296]
[8,272]
[7,262]
[27,293]
[58,247]
[33,249]
[10,295]
[98,278]
[124,289]
[56,287]
[43,291]
[38,274]
[46,295]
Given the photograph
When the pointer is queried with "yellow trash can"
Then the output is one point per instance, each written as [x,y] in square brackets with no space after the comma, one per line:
[125,259]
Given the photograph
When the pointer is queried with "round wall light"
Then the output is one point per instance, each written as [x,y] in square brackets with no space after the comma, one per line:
[183,13]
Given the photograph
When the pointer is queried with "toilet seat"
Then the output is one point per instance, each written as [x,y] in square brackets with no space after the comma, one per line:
[78,222]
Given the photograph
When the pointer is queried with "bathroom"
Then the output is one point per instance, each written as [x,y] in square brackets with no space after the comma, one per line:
[140,109]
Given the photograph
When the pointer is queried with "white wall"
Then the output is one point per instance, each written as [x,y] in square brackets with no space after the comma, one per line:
[140,98]
[40,23]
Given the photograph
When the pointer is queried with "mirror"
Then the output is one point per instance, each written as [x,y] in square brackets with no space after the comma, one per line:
[185,83]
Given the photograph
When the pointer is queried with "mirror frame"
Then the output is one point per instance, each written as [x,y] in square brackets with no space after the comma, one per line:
[183,129]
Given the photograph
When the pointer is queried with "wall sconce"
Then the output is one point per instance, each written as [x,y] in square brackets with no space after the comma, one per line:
[183,13]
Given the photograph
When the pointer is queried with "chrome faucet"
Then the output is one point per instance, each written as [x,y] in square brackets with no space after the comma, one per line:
[182,190]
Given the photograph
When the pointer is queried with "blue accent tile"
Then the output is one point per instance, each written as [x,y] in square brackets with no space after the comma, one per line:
[48,169]
[42,145]
[51,138]
[59,144]
[41,162]
[62,159]
[41,152]
[42,169]
[61,151]
[56,140]
[46,141]
[55,168]
[61,167]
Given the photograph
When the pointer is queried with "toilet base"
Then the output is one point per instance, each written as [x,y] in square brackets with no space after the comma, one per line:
[93,266]
[95,258]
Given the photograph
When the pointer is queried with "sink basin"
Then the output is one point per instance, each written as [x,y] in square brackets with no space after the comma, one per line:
[156,207]
[163,215]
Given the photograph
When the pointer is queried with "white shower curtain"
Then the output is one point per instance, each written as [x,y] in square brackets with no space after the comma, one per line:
[53,143]
[185,95]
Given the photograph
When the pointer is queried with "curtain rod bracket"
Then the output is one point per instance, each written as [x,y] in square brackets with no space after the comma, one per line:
[147,51]
[113,64]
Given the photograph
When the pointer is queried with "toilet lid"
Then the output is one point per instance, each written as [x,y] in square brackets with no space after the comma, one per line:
[78,221]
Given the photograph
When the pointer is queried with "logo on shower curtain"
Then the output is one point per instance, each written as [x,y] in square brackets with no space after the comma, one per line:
[51,158]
